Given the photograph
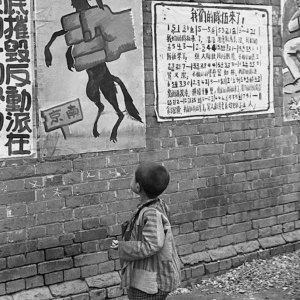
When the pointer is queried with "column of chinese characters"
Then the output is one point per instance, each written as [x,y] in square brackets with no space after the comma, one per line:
[15,78]
[216,61]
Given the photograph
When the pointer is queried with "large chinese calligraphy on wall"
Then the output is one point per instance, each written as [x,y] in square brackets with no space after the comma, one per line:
[291,58]
[90,76]
[212,60]
[16,80]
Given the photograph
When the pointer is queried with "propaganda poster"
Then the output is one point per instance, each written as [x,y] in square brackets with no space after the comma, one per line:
[17,122]
[90,76]
[212,60]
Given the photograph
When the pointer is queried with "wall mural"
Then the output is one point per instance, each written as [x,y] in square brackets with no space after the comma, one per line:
[90,75]
[212,60]
[291,57]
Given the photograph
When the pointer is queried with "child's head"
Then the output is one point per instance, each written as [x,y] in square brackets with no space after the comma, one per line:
[150,178]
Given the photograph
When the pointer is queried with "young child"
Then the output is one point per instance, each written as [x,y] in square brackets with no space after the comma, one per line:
[150,264]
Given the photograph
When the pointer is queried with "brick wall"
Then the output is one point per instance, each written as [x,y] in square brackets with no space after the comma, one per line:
[234,195]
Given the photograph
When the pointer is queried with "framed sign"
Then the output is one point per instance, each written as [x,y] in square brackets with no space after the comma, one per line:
[212,60]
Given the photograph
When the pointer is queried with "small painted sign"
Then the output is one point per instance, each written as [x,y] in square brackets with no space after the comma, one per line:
[61,116]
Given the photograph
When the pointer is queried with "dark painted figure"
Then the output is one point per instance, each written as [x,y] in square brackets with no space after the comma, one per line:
[99,79]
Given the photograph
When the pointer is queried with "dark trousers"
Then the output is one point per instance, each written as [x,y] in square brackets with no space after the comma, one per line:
[134,294]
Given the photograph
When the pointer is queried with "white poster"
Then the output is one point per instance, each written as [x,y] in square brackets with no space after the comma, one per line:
[90,74]
[16,80]
[212,60]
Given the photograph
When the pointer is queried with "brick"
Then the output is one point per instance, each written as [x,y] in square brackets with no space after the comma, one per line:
[17,273]
[185,217]
[9,173]
[269,242]
[35,257]
[54,217]
[17,248]
[210,149]
[264,232]
[36,232]
[54,229]
[291,237]
[17,236]
[72,274]
[237,260]
[199,246]
[198,271]
[3,292]
[113,254]
[19,197]
[81,297]
[106,267]
[91,246]
[83,200]
[15,286]
[72,178]
[108,220]
[185,249]
[73,226]
[212,267]
[222,253]
[48,242]
[88,235]
[90,223]
[213,233]
[90,259]
[37,207]
[34,294]
[53,180]
[69,288]
[57,265]
[212,244]
[105,244]
[104,280]
[54,277]
[211,191]
[72,250]
[200,225]
[59,167]
[2,263]
[53,193]
[241,227]
[195,258]
[54,253]
[89,271]
[225,264]
[93,163]
[294,216]
[264,222]
[114,292]
[16,261]
[90,212]
[187,238]
[247,247]
[124,159]
[98,294]
[34,282]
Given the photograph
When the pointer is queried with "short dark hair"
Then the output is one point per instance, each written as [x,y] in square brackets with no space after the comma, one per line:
[153,178]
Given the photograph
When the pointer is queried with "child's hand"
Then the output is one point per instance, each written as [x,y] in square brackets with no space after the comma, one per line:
[115,244]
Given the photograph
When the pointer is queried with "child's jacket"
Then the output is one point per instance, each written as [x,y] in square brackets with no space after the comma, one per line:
[149,259]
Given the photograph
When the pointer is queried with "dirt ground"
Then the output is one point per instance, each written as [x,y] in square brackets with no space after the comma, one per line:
[276,278]
[211,294]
